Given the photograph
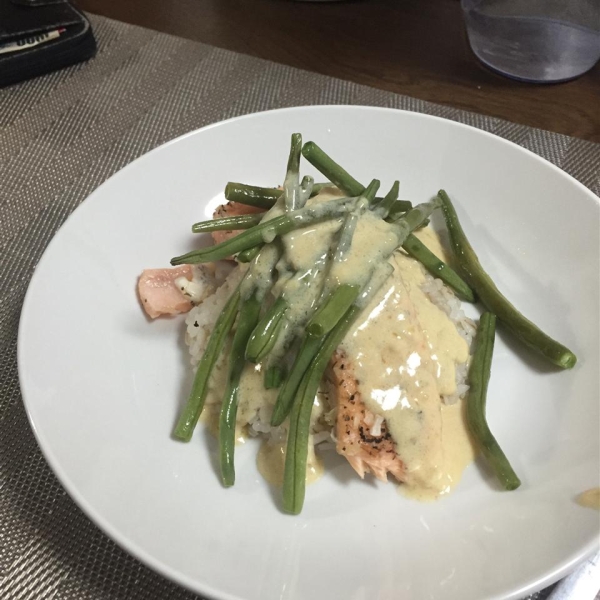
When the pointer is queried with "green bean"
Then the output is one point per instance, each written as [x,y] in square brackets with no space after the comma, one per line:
[438,268]
[274,377]
[264,335]
[260,275]
[368,194]
[251,194]
[268,230]
[249,312]
[334,172]
[291,184]
[318,187]
[191,413]
[243,241]
[332,310]
[494,300]
[306,187]
[285,397]
[345,236]
[294,478]
[305,284]
[294,474]
[265,197]
[383,207]
[379,276]
[275,364]
[398,209]
[293,165]
[227,223]
[479,376]
[249,254]
[412,219]
[351,219]
[260,279]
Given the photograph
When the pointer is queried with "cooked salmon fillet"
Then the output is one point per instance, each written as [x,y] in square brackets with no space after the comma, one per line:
[157,288]
[160,295]
[231,209]
[364,451]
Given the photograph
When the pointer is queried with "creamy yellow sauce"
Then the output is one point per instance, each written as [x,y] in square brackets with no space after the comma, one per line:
[458,451]
[271,462]
[589,498]
[308,246]
[255,399]
[431,239]
[373,240]
[210,418]
[404,351]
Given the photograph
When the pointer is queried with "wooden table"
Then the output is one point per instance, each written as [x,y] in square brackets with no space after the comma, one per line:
[413,47]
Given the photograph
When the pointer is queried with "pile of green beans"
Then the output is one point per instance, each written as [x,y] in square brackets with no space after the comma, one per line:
[336,173]
[267,231]
[268,336]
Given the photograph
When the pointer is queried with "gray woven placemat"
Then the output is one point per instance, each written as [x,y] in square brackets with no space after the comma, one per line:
[61,136]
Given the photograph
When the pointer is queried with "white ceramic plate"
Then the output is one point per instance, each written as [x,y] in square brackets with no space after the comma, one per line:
[103,386]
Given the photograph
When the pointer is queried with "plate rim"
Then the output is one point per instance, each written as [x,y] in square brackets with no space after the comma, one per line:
[123,542]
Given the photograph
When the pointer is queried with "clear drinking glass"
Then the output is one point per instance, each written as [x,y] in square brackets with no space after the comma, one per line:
[535,40]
